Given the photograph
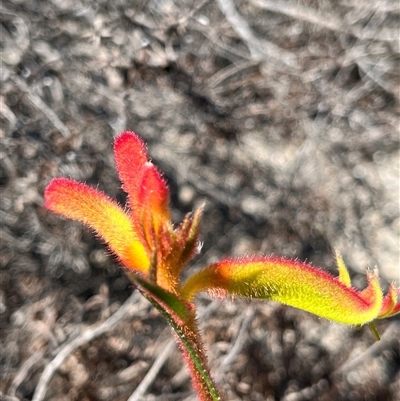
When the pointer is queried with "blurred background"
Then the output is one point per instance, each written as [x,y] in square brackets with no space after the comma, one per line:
[281,115]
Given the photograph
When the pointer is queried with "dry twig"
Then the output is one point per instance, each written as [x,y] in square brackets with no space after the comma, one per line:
[126,311]
[239,342]
[322,20]
[260,49]
[153,372]
[390,335]
[40,105]
[23,372]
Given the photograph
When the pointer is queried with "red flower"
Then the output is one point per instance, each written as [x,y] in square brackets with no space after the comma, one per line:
[144,239]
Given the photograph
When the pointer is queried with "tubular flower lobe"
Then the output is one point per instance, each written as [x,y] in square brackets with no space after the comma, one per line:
[145,241]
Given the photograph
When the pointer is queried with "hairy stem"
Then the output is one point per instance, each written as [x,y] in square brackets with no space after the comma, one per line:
[181,316]
[192,349]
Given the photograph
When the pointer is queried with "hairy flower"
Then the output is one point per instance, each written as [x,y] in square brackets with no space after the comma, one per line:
[142,236]
[296,284]
[145,241]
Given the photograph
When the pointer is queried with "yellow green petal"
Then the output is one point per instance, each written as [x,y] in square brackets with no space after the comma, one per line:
[292,283]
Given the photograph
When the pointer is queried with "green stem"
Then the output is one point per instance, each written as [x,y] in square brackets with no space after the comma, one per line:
[200,374]
[375,331]
[180,315]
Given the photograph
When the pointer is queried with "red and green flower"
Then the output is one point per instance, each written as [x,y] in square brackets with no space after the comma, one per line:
[154,252]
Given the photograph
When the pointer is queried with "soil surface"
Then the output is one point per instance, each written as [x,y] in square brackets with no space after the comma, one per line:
[281,115]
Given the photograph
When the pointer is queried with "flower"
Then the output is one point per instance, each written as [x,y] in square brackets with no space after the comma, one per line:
[145,241]
[297,284]
[141,236]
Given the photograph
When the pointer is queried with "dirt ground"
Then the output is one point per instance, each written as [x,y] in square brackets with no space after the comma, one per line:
[281,115]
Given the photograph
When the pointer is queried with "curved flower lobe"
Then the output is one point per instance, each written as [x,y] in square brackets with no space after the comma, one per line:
[292,283]
[153,195]
[130,156]
[80,202]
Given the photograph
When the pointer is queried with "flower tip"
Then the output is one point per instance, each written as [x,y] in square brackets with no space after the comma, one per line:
[344,276]
[153,186]
[129,148]
[130,154]
[373,274]
[128,136]
[390,305]
[55,191]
